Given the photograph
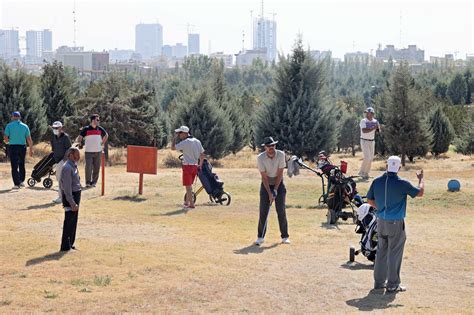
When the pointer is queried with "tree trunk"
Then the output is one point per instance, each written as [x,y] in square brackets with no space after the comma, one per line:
[403,159]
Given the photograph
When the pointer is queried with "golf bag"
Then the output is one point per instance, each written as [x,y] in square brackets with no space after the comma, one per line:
[45,167]
[367,227]
[342,192]
[212,184]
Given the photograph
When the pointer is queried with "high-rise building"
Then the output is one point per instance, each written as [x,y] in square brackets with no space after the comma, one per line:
[168,51]
[264,36]
[148,40]
[37,43]
[179,51]
[193,44]
[9,45]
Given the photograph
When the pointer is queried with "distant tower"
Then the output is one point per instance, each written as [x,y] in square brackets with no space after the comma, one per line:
[74,22]
[193,44]
[264,34]
[149,40]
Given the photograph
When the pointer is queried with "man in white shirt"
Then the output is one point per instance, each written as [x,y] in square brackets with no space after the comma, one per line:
[271,164]
[368,126]
[193,157]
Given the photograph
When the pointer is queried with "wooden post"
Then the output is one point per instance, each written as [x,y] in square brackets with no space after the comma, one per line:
[103,173]
[140,184]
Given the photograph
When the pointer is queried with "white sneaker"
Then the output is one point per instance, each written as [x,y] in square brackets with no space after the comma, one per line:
[285,240]
[16,187]
[58,200]
[259,241]
[22,184]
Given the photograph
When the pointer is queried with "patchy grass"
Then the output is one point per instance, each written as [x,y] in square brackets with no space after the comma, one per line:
[150,256]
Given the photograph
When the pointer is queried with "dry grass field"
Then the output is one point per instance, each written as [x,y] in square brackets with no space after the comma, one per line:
[144,254]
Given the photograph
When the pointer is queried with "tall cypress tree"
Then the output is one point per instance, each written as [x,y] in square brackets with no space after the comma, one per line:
[442,131]
[18,92]
[56,90]
[298,116]
[457,90]
[405,130]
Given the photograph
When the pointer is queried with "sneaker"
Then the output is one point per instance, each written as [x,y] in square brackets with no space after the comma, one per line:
[398,288]
[259,241]
[285,240]
[58,200]
[16,187]
[88,185]
[22,184]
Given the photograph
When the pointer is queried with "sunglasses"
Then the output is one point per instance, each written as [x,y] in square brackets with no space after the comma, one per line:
[56,128]
[270,145]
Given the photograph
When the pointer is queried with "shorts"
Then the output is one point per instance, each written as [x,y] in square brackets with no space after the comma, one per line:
[189,174]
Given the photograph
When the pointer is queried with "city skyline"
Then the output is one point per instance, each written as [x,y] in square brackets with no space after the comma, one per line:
[341,26]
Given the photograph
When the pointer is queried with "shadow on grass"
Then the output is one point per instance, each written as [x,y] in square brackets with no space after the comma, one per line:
[375,300]
[356,266]
[172,213]
[6,191]
[42,259]
[37,188]
[130,198]
[254,249]
[329,226]
[43,206]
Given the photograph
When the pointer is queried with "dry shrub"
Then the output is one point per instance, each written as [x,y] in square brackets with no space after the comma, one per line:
[171,161]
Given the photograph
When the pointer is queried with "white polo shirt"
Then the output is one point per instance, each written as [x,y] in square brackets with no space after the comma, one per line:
[365,123]
[192,149]
[271,165]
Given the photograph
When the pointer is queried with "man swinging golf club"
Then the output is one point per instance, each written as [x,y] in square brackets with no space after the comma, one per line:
[271,164]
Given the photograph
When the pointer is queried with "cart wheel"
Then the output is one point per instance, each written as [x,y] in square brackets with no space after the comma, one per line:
[48,183]
[31,182]
[225,199]
[194,197]
[351,254]
[331,216]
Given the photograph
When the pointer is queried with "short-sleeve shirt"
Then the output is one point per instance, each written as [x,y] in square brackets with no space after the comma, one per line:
[93,138]
[271,165]
[393,205]
[365,123]
[192,149]
[17,132]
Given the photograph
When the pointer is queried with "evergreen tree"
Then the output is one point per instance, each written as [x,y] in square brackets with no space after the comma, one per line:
[457,90]
[206,121]
[56,92]
[469,84]
[350,132]
[18,92]
[405,131]
[442,131]
[298,116]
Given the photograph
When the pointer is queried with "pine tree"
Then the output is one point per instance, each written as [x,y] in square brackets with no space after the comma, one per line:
[442,131]
[469,84]
[298,116]
[18,92]
[405,131]
[206,121]
[457,90]
[56,92]
[350,132]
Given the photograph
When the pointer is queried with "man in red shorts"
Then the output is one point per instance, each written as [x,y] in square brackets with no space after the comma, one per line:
[193,157]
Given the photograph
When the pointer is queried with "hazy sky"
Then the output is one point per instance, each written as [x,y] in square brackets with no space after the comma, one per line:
[439,27]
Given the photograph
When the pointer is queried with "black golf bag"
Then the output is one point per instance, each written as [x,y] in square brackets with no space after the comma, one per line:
[45,167]
[212,184]
[367,227]
[341,194]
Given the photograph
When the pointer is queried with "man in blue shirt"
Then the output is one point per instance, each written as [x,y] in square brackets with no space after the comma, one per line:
[388,194]
[16,135]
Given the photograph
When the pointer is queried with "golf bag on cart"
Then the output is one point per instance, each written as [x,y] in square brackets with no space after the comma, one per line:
[213,185]
[342,193]
[367,227]
[45,167]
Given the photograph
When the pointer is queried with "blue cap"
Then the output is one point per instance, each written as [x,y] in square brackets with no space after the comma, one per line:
[16,114]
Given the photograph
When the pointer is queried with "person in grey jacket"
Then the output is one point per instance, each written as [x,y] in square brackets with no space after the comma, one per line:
[60,143]
[71,196]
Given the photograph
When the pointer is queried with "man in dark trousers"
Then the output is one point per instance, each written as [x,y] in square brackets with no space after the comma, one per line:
[271,164]
[60,142]
[16,135]
[95,138]
[388,194]
[71,196]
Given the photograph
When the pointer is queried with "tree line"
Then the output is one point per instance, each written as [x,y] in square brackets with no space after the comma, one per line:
[308,105]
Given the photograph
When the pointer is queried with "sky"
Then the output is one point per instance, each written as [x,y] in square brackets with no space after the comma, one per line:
[438,27]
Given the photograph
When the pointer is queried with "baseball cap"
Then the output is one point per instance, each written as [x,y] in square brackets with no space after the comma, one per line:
[393,164]
[16,114]
[369,110]
[57,124]
[182,129]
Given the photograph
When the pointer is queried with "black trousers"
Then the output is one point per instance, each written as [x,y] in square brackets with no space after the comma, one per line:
[70,223]
[280,209]
[17,161]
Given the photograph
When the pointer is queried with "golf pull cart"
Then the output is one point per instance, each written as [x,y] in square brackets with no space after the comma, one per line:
[339,193]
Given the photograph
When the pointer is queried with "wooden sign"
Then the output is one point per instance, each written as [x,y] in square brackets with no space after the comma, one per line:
[142,160]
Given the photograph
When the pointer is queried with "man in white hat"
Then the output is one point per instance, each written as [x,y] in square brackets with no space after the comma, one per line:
[388,194]
[60,142]
[368,126]
[193,157]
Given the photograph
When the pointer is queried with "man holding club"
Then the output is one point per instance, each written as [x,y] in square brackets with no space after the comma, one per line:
[271,164]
